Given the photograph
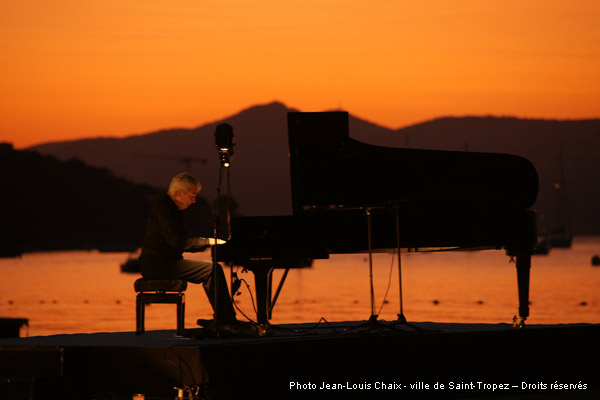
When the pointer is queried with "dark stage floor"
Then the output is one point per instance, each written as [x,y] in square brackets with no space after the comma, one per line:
[326,360]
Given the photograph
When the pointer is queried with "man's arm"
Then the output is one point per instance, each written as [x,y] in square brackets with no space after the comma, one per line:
[171,228]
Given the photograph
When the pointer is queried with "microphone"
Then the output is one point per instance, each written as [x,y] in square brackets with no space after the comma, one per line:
[224,143]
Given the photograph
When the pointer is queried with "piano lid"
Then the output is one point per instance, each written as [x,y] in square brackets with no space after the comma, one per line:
[329,170]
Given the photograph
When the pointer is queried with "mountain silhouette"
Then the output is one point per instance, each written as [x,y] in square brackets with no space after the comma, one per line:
[260,178]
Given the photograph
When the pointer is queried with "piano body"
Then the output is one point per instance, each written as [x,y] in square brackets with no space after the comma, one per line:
[352,197]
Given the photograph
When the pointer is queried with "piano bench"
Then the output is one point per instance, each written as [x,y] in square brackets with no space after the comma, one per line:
[153,291]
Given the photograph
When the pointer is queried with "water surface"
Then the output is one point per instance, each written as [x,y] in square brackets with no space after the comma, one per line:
[80,292]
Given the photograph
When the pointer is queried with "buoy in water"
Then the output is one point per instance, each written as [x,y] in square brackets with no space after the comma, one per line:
[596,260]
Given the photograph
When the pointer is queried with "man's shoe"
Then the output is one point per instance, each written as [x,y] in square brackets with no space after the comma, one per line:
[206,323]
[232,328]
[227,328]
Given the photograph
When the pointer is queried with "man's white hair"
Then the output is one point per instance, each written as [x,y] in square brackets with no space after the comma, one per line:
[183,182]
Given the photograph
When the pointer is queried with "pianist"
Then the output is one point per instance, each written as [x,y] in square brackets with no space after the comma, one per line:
[165,241]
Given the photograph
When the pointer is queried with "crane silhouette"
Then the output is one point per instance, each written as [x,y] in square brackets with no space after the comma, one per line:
[186,160]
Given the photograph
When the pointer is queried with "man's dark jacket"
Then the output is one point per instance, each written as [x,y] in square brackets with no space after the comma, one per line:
[165,238]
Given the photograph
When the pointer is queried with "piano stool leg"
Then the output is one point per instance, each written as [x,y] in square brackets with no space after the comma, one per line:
[140,309]
[523,272]
[181,314]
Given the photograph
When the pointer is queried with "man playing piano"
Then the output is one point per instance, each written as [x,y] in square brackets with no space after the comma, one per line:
[165,241]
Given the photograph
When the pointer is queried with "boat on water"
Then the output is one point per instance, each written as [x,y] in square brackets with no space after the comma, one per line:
[8,251]
[542,248]
[560,238]
[11,327]
[556,239]
[132,264]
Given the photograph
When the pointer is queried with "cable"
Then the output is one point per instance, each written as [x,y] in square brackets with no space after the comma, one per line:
[182,362]
[250,293]
[228,216]
[242,312]
[389,282]
[251,298]
[326,322]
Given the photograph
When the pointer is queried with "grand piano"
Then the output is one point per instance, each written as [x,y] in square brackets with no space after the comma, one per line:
[353,197]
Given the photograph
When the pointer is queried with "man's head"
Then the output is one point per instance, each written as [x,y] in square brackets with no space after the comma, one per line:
[183,190]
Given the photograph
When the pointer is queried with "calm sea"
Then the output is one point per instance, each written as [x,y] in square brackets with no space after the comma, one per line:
[81,292]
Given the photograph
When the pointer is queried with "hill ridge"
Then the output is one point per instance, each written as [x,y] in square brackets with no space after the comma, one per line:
[260,167]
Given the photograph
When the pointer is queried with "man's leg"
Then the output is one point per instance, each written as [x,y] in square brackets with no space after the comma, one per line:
[202,272]
[224,308]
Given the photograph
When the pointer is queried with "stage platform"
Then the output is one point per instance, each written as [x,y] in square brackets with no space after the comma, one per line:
[325,360]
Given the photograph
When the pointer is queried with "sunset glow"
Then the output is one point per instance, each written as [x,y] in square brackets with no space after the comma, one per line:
[73,69]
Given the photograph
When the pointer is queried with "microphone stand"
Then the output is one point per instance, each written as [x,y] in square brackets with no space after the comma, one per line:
[373,322]
[373,316]
[224,145]
[216,232]
[214,249]
[401,318]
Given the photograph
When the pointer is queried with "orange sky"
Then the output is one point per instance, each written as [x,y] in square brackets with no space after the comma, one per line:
[73,69]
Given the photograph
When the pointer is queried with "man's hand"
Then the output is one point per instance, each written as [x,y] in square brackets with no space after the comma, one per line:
[198,244]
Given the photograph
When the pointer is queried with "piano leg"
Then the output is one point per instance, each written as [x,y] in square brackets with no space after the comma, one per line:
[523,269]
[261,282]
[274,298]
